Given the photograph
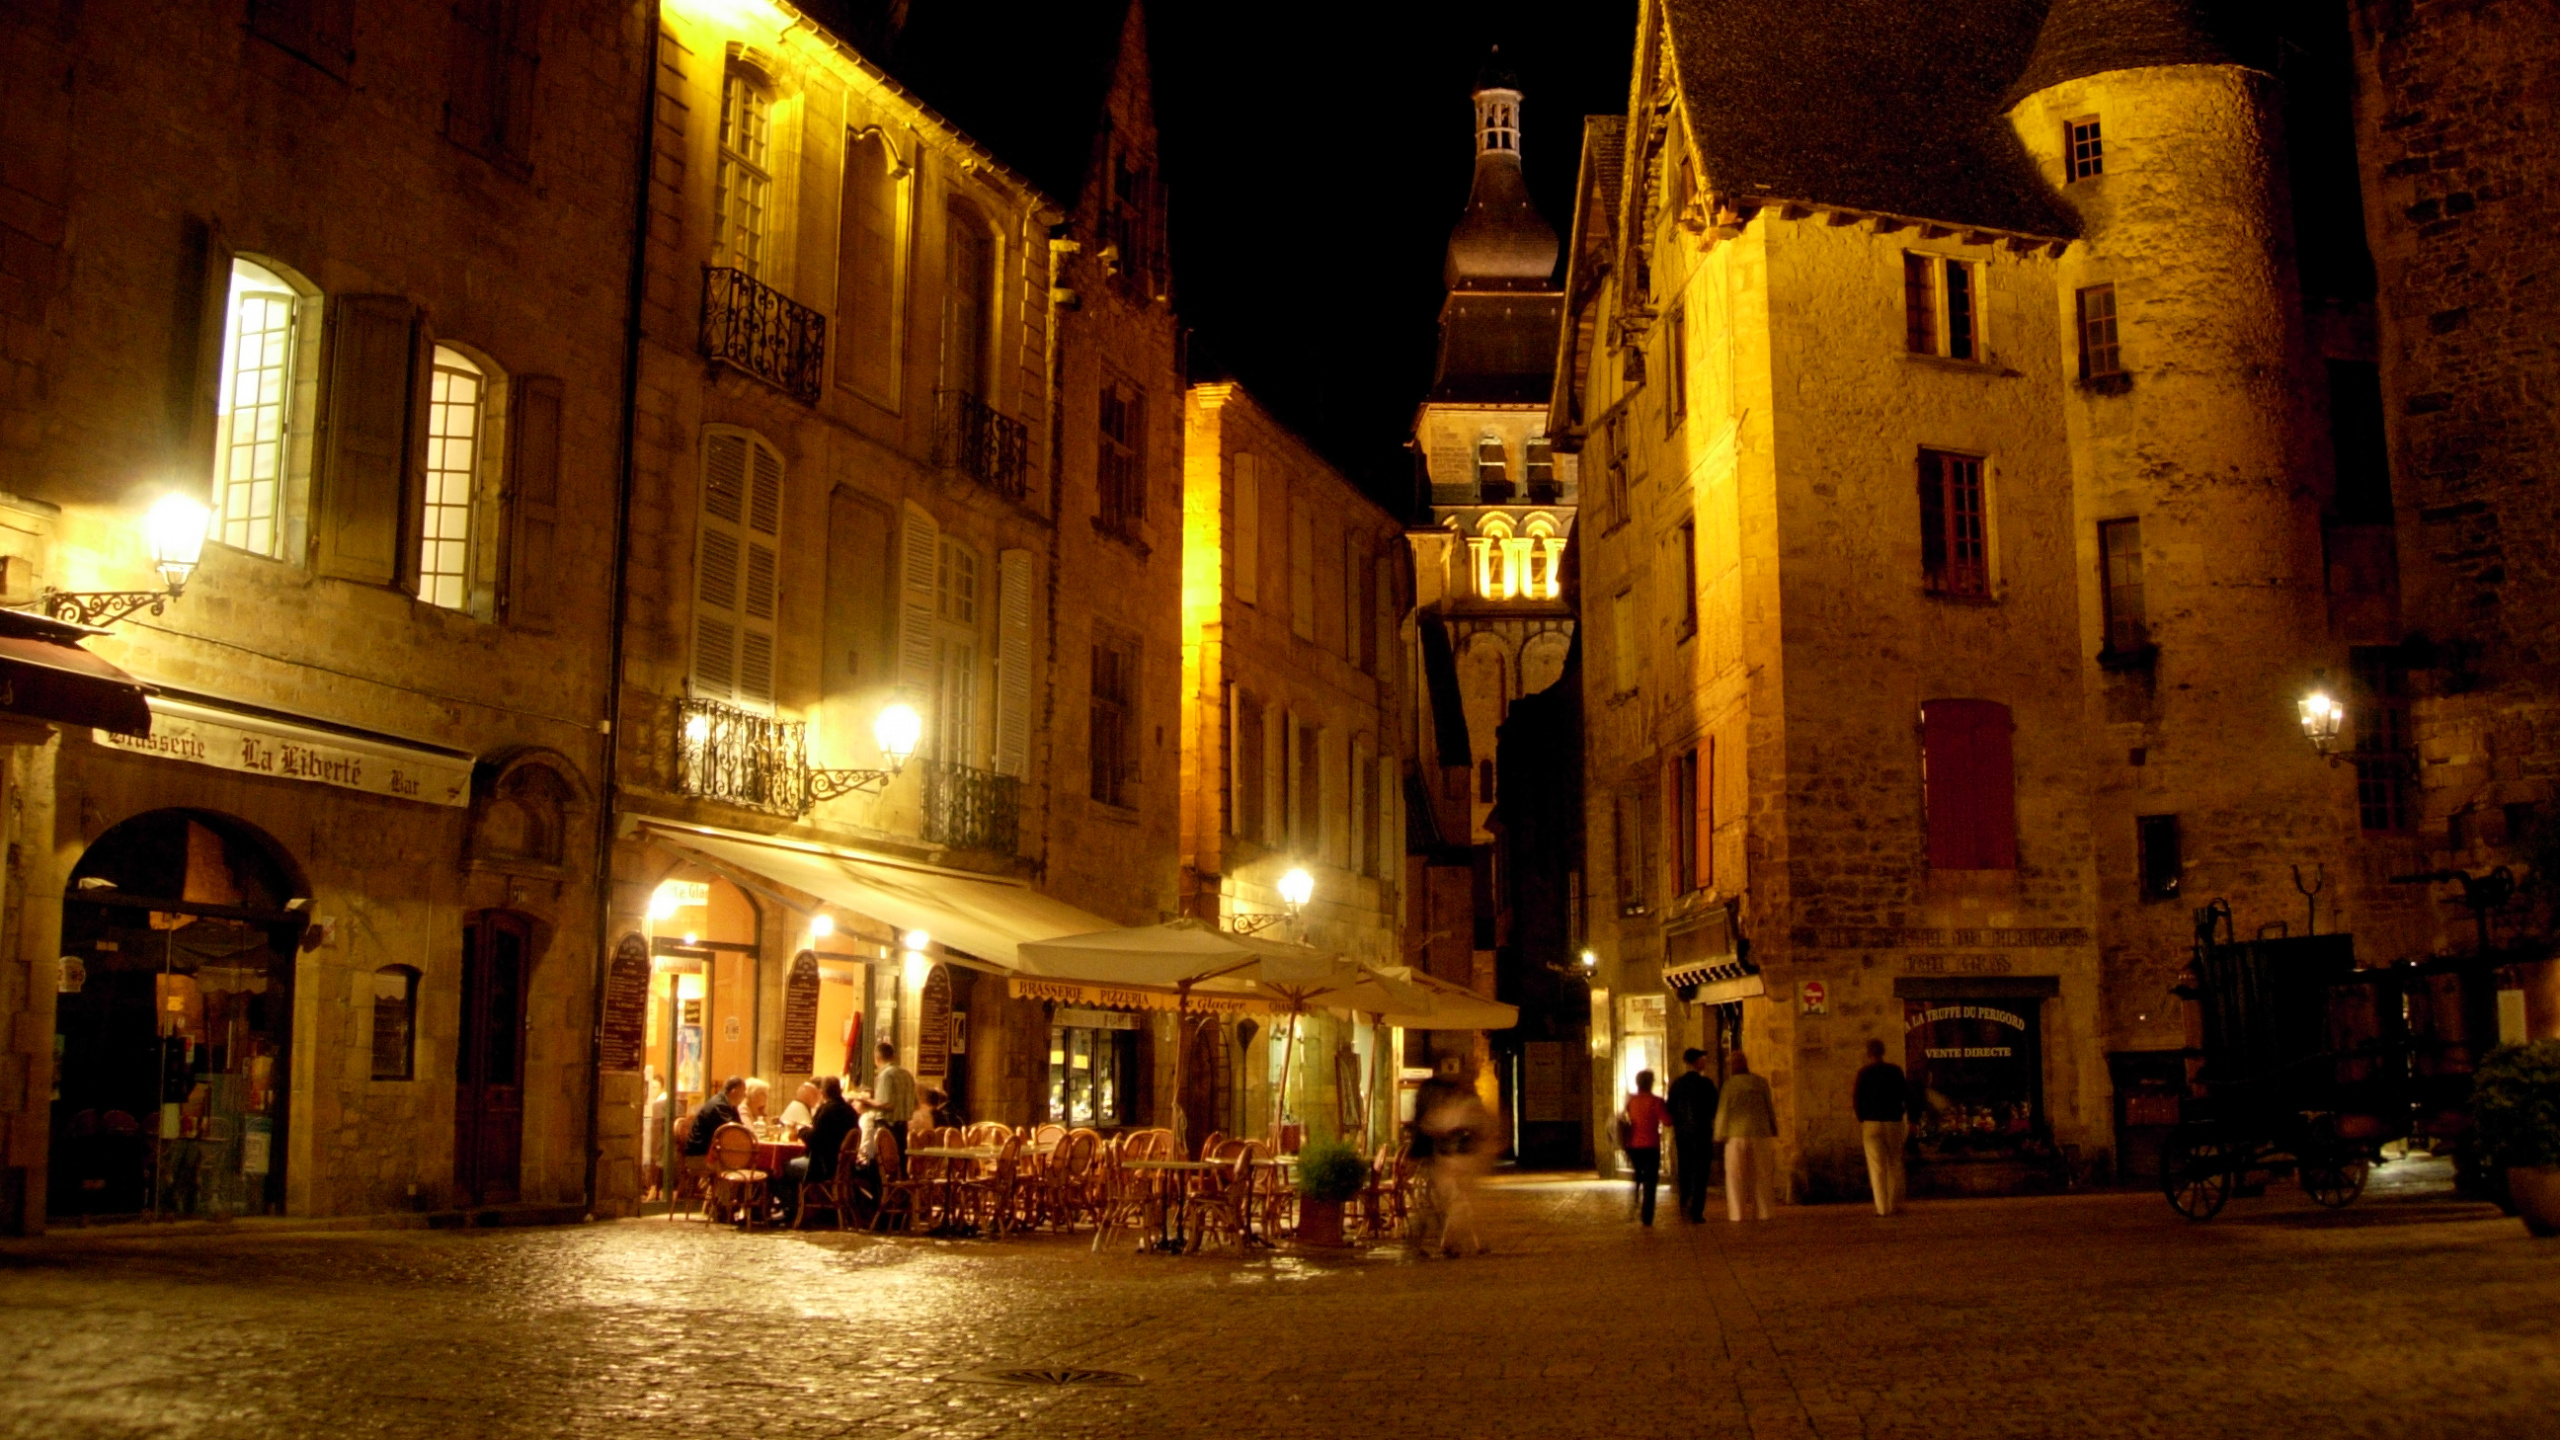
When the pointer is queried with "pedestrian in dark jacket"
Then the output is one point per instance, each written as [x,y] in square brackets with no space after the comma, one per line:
[1693,1132]
[1882,1098]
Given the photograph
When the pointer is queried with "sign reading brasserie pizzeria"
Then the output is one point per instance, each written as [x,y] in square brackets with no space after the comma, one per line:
[1132,997]
[254,745]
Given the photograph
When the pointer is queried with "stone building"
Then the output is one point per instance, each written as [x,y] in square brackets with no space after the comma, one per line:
[1493,622]
[2455,136]
[313,935]
[1294,750]
[908,446]
[1945,763]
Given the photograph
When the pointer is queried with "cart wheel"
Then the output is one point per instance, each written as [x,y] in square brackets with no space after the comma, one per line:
[2196,1177]
[2335,1183]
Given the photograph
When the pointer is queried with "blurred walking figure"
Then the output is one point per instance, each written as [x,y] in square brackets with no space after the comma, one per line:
[1692,1099]
[1883,1102]
[1646,1115]
[1748,1125]
[1447,1118]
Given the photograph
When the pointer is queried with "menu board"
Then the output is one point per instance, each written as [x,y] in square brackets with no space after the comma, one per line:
[626,1006]
[933,1027]
[800,1015]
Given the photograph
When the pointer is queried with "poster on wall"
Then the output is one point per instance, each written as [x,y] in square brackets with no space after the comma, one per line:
[933,1025]
[1976,1064]
[626,1006]
[800,1015]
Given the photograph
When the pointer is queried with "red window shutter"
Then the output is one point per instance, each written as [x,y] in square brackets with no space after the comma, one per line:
[1971,789]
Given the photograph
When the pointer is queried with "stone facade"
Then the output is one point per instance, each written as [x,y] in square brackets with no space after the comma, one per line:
[159,166]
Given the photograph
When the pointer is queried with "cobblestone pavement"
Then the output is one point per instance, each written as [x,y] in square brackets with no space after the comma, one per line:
[2408,1315]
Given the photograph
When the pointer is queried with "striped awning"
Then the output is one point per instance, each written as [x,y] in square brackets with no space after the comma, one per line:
[1717,981]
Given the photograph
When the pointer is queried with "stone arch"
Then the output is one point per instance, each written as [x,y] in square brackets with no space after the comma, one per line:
[526,805]
[1542,660]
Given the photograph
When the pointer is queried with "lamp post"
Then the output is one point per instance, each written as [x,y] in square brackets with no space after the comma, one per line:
[175,528]
[898,731]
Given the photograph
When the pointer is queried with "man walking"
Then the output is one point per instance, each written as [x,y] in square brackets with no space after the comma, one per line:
[1747,1123]
[1882,1098]
[1693,1128]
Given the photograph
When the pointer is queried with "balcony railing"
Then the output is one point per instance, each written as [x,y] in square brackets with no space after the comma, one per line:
[727,754]
[971,436]
[758,329]
[969,809]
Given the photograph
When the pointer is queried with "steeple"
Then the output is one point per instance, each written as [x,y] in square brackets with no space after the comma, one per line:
[1501,241]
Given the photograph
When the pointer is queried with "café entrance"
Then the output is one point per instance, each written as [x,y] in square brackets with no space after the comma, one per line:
[173,1025]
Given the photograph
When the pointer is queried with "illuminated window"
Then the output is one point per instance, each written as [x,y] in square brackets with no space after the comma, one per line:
[252,409]
[740,210]
[1501,126]
[453,465]
[2085,155]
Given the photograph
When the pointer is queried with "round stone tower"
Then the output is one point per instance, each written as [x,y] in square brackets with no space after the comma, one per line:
[2199,487]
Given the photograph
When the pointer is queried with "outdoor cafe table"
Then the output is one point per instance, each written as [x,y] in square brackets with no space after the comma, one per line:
[951,1179]
[773,1155]
[1170,1241]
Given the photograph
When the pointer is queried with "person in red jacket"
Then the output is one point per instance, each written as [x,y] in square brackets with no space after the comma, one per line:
[1645,1117]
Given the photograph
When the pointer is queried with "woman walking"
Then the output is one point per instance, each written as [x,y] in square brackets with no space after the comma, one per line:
[1748,1125]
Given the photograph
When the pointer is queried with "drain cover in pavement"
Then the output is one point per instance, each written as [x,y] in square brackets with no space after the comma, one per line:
[1057,1375]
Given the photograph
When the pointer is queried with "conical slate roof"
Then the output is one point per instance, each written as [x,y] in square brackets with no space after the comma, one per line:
[1501,242]
[2080,38]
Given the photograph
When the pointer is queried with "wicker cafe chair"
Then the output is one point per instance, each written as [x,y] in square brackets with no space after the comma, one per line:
[836,1194]
[736,1190]
[1209,1147]
[898,1186]
[989,1197]
[1048,1137]
[686,1174]
[1225,1205]
[1127,1198]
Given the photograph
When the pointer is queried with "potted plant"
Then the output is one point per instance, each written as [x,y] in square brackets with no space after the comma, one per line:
[2515,1110]
[1331,1174]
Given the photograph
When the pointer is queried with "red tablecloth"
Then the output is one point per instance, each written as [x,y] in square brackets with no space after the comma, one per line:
[772,1155]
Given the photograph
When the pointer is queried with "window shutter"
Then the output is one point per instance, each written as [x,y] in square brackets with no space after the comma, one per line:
[195,428]
[1235,762]
[919,561]
[760,598]
[1247,582]
[365,477]
[1383,602]
[1970,789]
[1361,830]
[1355,569]
[533,500]
[1013,661]
[718,561]
[1933,514]
[470,102]
[1302,570]
[523,57]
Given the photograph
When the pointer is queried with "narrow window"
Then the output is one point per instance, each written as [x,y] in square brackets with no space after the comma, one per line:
[1628,835]
[1358,638]
[1707,817]
[1675,365]
[1132,222]
[1120,467]
[1920,304]
[745,192]
[2120,581]
[1248,766]
[1626,664]
[2356,439]
[454,426]
[1539,468]
[1484,782]
[968,290]
[1493,467]
[489,74]
[1684,821]
[1959,310]
[2086,153]
[1969,792]
[1309,810]
[1302,569]
[1247,528]
[1614,470]
[1688,539]
[1955,552]
[252,408]
[2098,355]
[395,1023]
[736,570]
[2384,798]
[2156,840]
[1114,741]
[867,270]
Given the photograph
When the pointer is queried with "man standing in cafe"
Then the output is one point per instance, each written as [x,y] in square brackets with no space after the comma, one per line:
[1882,1098]
[893,1094]
[1693,1131]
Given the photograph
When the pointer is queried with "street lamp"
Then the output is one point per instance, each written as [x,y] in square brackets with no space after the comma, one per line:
[1296,888]
[175,528]
[2322,718]
[898,731]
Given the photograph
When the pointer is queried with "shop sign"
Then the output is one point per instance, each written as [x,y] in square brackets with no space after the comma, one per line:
[1131,997]
[800,1015]
[1642,1014]
[626,1006]
[227,740]
[1959,964]
[1815,998]
[933,1027]
[1977,1061]
[1079,1018]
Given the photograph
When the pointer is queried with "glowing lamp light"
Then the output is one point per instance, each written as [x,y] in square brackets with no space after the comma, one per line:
[176,527]
[691,938]
[822,926]
[1297,888]
[663,902]
[2322,718]
[1590,960]
[899,729]
[915,940]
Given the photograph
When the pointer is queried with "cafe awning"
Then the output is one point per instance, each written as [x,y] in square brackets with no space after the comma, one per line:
[45,675]
[983,916]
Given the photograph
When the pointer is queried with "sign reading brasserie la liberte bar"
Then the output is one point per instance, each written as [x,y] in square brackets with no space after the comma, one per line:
[227,740]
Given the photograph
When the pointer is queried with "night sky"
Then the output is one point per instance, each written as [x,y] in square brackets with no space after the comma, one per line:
[1317,156]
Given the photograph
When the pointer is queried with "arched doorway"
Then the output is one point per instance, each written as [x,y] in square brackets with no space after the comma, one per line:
[488,1102]
[173,1026]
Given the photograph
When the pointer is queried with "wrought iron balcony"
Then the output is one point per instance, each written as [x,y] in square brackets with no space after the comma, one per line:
[973,437]
[732,755]
[756,328]
[969,809]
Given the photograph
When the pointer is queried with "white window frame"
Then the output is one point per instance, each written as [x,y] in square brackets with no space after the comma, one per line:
[458,394]
[263,369]
[742,205]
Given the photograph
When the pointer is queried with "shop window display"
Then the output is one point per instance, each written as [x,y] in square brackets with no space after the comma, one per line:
[1978,1066]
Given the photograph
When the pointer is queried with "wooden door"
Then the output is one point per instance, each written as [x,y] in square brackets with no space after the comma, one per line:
[488,1113]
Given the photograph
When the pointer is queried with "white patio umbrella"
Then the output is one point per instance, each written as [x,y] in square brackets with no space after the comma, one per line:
[1443,1005]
